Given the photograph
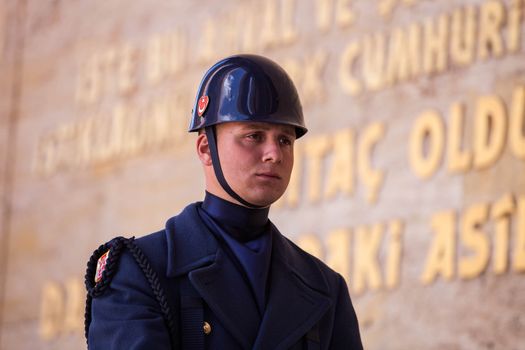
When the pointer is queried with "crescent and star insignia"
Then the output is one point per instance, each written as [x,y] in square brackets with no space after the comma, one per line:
[101,266]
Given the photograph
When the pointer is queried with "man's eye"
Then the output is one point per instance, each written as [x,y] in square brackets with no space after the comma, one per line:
[285,141]
[255,137]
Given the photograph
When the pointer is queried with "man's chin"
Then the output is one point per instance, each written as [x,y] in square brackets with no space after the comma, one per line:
[265,201]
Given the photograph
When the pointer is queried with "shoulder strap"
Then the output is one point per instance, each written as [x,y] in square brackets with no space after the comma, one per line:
[192,317]
[101,269]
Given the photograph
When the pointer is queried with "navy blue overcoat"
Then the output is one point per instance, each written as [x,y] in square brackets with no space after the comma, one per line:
[304,294]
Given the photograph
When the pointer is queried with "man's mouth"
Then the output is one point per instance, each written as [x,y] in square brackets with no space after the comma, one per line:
[268,175]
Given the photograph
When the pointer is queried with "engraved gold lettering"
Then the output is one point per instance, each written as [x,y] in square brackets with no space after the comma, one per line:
[463,31]
[340,177]
[517,123]
[476,240]
[348,82]
[372,178]
[51,310]
[458,160]
[490,131]
[491,21]
[440,258]
[74,306]
[428,133]
[166,55]
[324,9]
[386,7]
[366,270]
[312,87]
[394,254]
[435,44]
[373,61]
[311,244]
[268,31]
[206,52]
[249,33]
[403,60]
[514,24]
[289,30]
[338,252]
[315,150]
[88,85]
[127,70]
[344,13]
[519,247]
[501,212]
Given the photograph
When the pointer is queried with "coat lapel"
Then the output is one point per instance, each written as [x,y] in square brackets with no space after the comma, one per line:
[192,249]
[229,297]
[298,291]
[297,298]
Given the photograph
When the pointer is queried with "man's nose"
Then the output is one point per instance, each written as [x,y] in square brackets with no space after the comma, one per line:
[272,152]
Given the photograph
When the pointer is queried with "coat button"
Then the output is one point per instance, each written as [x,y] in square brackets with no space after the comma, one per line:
[206,327]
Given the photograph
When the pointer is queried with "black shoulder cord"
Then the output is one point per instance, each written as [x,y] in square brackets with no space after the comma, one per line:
[115,247]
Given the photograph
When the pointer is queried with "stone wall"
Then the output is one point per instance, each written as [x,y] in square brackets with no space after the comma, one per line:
[410,182]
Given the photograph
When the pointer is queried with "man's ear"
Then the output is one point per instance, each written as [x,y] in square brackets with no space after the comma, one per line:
[203,149]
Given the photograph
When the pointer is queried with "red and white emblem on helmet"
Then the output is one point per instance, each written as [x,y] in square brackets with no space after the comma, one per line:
[101,266]
[202,105]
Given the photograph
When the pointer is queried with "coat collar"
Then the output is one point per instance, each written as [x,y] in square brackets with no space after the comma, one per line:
[190,244]
[298,296]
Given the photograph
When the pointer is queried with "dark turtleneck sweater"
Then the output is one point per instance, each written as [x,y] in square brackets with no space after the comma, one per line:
[245,235]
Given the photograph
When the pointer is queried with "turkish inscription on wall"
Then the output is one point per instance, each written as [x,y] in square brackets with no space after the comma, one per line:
[114,124]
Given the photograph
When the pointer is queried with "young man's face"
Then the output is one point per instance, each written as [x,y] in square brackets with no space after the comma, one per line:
[256,159]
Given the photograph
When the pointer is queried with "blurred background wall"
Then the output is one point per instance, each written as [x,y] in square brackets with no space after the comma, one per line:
[410,183]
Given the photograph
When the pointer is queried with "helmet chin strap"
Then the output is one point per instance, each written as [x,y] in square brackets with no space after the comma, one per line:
[212,142]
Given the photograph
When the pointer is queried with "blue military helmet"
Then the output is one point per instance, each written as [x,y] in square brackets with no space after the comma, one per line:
[244,88]
[247,88]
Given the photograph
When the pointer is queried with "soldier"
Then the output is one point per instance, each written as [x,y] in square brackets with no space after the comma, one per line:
[220,275]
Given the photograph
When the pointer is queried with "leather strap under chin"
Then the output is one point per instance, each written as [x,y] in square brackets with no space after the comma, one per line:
[212,142]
